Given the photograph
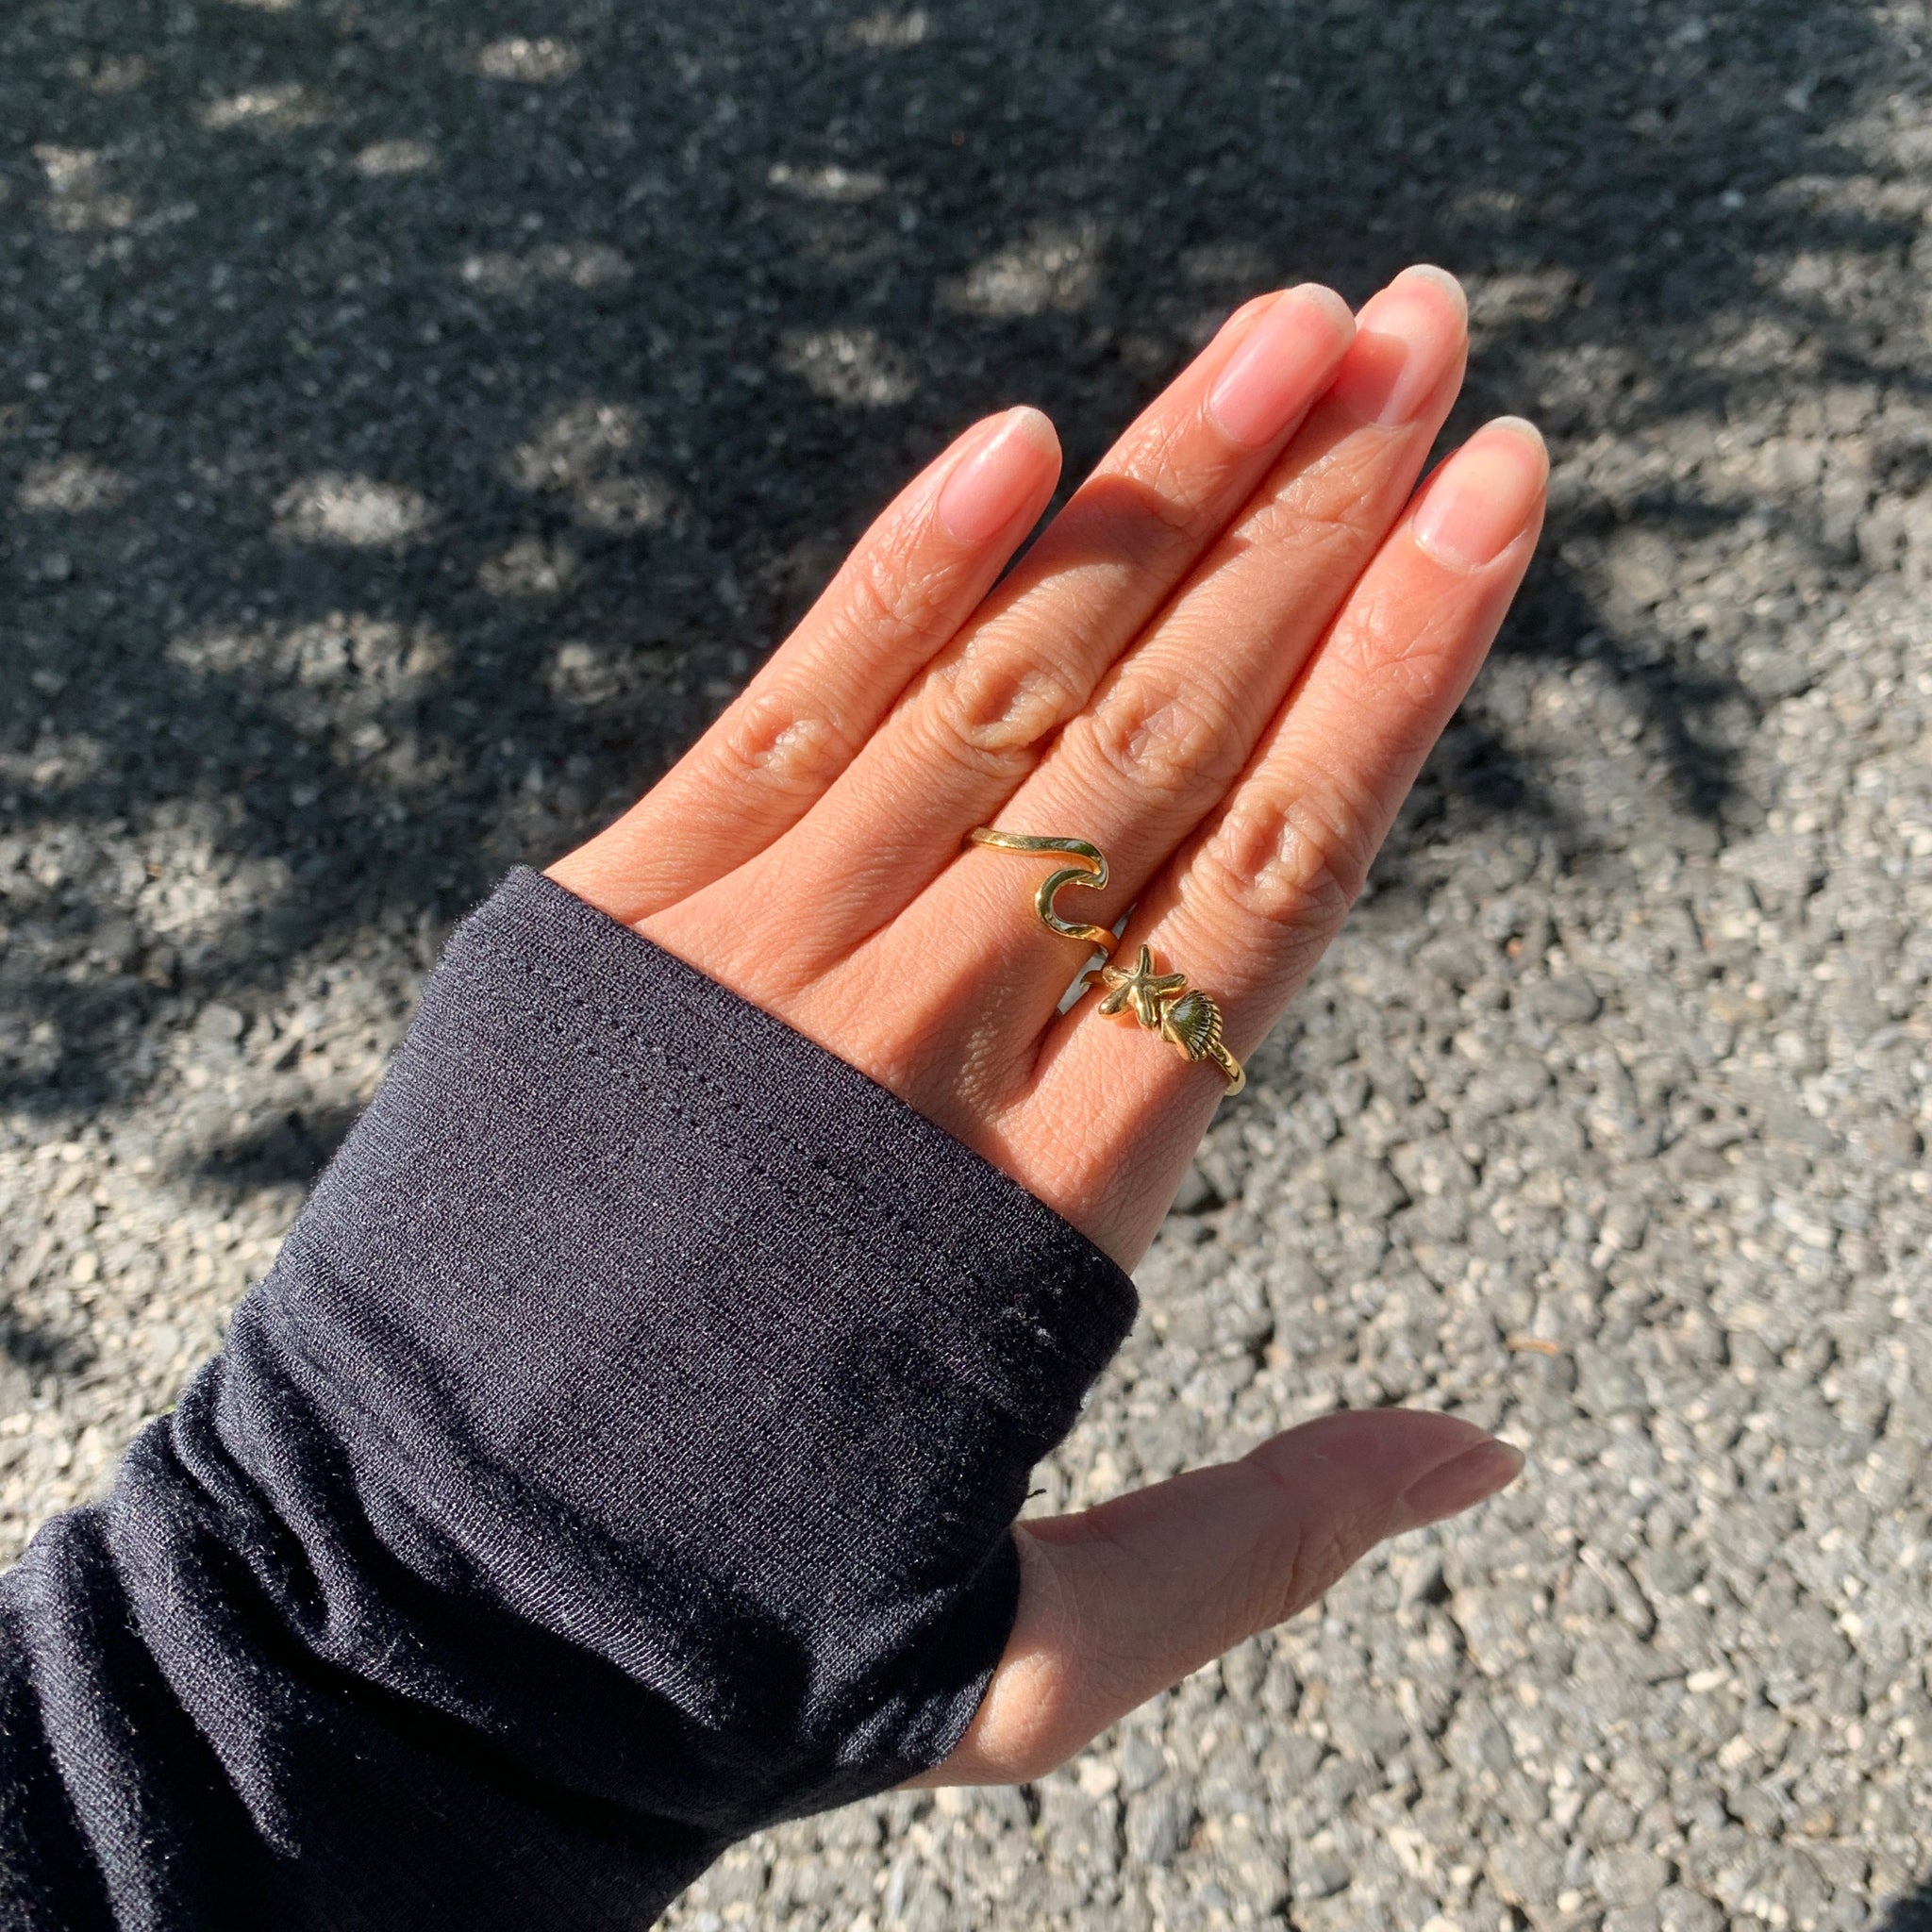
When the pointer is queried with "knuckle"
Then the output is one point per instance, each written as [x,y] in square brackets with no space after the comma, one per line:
[1024,1737]
[1327,539]
[1329,510]
[1168,748]
[1265,1591]
[1297,863]
[884,592]
[1170,486]
[775,743]
[1142,527]
[1295,1574]
[1408,654]
[992,707]
[1287,1573]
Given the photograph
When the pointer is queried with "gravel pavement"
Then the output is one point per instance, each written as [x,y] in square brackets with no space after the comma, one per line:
[416,419]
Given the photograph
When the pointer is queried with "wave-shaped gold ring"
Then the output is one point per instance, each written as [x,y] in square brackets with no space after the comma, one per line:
[1090,872]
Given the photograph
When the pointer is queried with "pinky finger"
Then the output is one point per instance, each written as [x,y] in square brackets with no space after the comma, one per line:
[1248,907]
[913,579]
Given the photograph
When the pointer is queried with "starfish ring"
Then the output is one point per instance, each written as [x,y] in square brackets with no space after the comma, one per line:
[1184,1016]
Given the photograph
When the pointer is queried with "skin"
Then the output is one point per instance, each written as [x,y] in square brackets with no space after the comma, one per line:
[1224,663]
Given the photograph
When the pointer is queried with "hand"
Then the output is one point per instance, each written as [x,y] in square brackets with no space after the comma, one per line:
[1223,663]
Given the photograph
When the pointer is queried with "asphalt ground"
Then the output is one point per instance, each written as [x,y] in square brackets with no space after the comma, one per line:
[415,420]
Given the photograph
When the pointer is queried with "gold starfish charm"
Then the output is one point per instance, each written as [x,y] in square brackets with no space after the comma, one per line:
[1188,1020]
[1147,992]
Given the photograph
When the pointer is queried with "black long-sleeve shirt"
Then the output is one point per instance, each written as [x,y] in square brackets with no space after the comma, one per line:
[620,1456]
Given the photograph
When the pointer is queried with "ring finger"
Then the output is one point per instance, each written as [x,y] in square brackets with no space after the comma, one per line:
[1249,905]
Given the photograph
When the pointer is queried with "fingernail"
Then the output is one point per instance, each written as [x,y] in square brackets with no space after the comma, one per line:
[1461,1483]
[1478,502]
[996,481]
[1407,341]
[1275,372]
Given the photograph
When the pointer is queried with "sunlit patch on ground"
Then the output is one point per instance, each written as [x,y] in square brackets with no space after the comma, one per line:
[398,157]
[358,511]
[849,365]
[78,194]
[1056,267]
[541,61]
[885,30]
[575,264]
[828,183]
[280,109]
[71,486]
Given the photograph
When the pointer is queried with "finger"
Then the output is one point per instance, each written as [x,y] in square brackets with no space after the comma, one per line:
[1121,1601]
[967,731]
[913,578]
[1246,909]
[1175,720]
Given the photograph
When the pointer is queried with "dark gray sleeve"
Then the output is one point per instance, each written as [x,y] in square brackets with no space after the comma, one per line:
[620,1456]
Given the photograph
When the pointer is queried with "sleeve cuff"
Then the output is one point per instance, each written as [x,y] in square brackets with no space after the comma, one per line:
[665,1336]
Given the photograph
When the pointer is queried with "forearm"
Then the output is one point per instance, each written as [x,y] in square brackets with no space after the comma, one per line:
[620,1455]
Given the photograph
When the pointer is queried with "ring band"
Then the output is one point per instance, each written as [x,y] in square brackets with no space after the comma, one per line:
[1163,1003]
[1090,872]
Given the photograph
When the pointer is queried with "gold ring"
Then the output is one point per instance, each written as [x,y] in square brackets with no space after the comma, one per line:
[1163,1003]
[1091,872]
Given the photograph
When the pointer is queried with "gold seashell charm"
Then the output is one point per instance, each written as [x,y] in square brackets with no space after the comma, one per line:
[1193,1024]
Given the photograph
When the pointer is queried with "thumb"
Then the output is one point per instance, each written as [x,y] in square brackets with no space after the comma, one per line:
[1122,1601]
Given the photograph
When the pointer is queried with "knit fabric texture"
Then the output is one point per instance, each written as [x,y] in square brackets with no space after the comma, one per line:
[620,1454]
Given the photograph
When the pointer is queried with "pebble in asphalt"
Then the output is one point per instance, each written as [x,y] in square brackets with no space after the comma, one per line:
[415,420]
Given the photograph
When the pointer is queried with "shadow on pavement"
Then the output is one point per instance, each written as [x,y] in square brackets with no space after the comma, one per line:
[1913,1914]
[420,419]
